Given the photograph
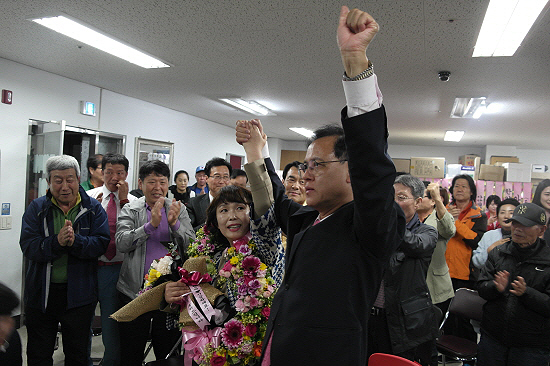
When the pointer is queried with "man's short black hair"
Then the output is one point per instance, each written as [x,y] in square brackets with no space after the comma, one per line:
[508,201]
[295,164]
[94,161]
[238,173]
[154,166]
[340,149]
[216,162]
[114,158]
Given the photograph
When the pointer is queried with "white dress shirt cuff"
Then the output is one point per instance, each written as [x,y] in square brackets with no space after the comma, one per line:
[362,96]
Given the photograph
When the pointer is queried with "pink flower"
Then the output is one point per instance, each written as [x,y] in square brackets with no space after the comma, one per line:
[232,333]
[225,274]
[266,311]
[247,347]
[239,305]
[251,264]
[261,273]
[253,302]
[227,266]
[217,360]
[251,330]
[254,284]
[267,294]
[203,241]
[245,250]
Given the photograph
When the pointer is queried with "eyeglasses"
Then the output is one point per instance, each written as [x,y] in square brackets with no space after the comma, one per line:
[313,165]
[401,198]
[218,177]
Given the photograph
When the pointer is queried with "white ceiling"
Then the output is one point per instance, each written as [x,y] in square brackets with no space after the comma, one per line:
[283,53]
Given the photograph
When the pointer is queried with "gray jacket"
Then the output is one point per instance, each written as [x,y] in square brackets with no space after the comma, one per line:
[131,239]
[439,279]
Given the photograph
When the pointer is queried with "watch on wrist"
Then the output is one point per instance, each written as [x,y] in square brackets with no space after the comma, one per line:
[364,75]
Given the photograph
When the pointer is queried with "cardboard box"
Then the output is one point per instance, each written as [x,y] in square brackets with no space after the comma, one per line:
[491,172]
[402,165]
[428,167]
[504,159]
[516,172]
[459,169]
[468,160]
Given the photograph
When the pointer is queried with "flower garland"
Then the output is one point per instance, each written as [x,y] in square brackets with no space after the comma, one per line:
[160,267]
[244,274]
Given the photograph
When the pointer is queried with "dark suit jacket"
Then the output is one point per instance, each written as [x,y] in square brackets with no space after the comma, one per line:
[197,210]
[333,270]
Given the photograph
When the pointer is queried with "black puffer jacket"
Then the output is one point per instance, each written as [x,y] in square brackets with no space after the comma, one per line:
[519,321]
[408,304]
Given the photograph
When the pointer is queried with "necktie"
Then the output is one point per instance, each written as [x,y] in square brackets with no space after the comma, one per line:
[111,216]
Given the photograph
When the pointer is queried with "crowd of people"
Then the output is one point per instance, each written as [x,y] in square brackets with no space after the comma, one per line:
[342,258]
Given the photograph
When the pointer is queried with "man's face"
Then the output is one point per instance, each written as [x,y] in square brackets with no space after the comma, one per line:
[328,186]
[219,178]
[113,174]
[239,181]
[461,190]
[525,236]
[154,187]
[64,186]
[96,174]
[294,185]
[405,200]
[506,212]
[201,177]
[426,204]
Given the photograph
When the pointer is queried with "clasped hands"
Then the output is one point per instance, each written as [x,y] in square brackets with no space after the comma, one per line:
[172,214]
[501,282]
[65,237]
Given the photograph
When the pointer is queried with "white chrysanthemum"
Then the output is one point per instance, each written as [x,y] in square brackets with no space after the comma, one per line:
[164,264]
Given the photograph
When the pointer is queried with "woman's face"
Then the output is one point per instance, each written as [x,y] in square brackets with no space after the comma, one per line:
[233,220]
[492,208]
[545,198]
[181,182]
[506,212]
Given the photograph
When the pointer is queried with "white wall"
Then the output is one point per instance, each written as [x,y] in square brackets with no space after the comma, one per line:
[44,96]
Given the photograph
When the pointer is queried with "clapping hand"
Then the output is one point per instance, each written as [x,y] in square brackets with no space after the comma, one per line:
[174,212]
[66,234]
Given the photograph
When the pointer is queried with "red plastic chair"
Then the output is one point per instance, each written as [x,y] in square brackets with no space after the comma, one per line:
[382,359]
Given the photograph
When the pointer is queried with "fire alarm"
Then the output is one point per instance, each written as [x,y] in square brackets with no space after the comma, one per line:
[7,96]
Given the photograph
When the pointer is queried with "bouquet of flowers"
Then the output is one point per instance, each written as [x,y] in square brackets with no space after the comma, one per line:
[161,267]
[249,280]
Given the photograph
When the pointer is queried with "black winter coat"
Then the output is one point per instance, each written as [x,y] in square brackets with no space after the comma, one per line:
[519,321]
[408,305]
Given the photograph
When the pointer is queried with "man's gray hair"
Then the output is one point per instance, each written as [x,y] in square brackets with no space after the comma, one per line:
[62,162]
[415,184]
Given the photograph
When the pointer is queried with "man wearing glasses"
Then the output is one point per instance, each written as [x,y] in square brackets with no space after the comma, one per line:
[218,172]
[113,195]
[339,244]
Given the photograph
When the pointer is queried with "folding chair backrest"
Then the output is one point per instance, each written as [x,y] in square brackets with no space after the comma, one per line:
[382,359]
[467,303]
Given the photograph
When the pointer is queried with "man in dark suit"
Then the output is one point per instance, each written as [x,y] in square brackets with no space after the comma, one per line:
[218,172]
[339,244]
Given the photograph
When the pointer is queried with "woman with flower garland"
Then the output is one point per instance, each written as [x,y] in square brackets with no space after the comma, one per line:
[247,264]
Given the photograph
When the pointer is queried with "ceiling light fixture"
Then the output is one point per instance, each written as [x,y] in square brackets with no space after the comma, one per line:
[77,30]
[505,25]
[454,136]
[249,106]
[302,131]
[468,107]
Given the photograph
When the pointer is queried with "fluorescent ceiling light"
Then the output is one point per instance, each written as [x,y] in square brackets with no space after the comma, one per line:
[302,131]
[505,25]
[249,106]
[94,38]
[468,107]
[455,136]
